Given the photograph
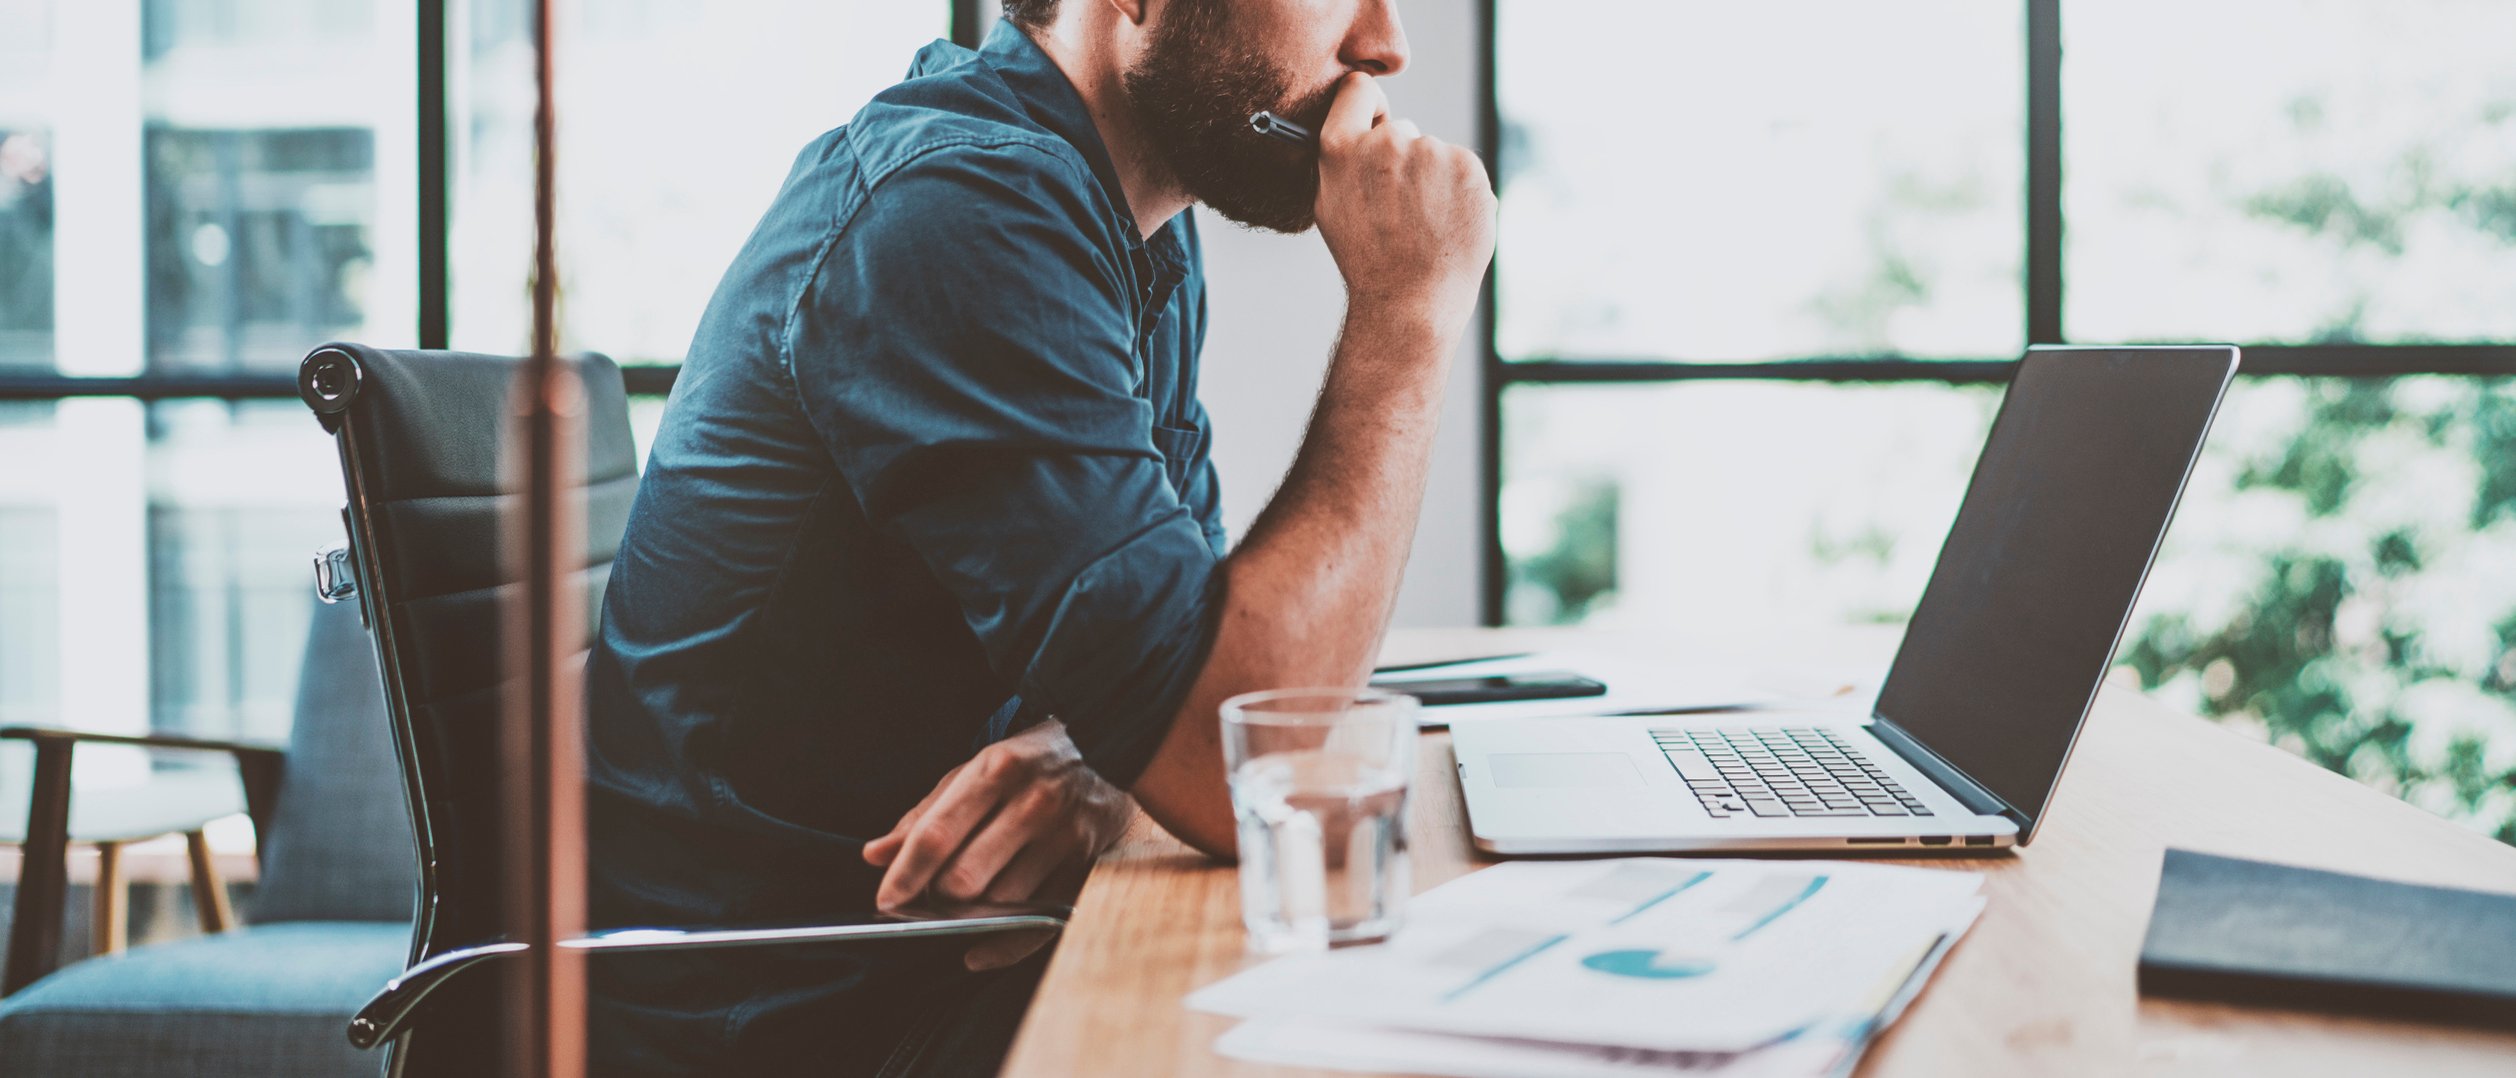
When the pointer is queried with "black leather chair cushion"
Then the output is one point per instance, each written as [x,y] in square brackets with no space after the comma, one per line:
[427,440]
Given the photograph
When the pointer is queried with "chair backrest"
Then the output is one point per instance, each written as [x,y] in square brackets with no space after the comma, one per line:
[431,494]
[339,842]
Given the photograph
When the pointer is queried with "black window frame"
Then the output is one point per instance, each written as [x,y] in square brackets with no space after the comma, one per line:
[158,383]
[2041,280]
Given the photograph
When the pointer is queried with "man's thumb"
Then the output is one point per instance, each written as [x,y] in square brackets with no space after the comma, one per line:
[1359,106]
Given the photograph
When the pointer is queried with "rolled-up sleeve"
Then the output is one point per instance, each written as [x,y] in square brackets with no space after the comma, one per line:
[968,355]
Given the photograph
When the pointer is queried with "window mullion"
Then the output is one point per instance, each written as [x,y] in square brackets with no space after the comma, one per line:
[2044,172]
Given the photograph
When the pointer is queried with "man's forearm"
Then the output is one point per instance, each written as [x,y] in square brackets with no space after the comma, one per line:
[1308,592]
[1319,570]
[1410,222]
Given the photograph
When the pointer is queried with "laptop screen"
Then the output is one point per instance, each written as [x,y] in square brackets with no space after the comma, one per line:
[2036,581]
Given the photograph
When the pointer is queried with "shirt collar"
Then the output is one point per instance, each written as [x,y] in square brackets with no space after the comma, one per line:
[1051,100]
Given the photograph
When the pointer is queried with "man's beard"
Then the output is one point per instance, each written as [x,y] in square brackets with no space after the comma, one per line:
[1193,93]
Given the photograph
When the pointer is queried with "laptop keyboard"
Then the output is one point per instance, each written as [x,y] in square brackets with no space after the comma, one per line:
[1783,771]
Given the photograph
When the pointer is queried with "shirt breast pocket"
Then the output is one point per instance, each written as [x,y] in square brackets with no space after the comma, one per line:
[1179,447]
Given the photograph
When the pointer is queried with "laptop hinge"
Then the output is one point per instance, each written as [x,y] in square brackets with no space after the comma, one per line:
[1968,792]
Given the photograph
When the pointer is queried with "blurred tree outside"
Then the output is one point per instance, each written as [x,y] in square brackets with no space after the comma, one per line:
[2373,631]
[1574,574]
[2341,577]
[2366,618]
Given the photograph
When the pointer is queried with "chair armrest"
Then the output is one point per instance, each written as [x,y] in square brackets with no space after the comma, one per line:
[385,1015]
[258,764]
[43,734]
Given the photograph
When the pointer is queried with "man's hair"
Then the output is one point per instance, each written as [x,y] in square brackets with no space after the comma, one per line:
[1030,14]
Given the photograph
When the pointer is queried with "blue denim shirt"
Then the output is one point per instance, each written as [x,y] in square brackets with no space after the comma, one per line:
[934,469]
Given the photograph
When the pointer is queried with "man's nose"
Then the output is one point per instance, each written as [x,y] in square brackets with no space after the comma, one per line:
[1378,44]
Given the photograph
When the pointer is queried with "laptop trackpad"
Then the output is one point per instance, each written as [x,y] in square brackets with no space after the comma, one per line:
[1542,769]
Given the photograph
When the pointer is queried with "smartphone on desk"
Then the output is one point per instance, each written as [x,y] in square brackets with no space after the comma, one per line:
[1496,688]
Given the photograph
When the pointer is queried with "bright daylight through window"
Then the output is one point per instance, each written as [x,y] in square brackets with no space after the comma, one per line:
[208,188]
[2275,172]
[203,189]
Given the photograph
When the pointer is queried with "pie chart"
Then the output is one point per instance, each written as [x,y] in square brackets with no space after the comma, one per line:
[1648,965]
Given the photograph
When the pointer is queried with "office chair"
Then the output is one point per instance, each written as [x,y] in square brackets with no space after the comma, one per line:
[419,435]
[329,918]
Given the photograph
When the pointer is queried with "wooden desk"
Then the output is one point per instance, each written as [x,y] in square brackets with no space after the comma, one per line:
[2043,985]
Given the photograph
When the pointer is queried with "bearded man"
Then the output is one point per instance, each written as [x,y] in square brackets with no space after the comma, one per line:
[926,575]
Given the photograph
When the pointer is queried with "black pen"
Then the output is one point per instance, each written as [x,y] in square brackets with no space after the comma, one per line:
[1404,668]
[1274,126]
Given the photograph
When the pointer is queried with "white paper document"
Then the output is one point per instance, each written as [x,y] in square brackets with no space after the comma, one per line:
[1304,1044]
[1634,683]
[1827,1048]
[1660,955]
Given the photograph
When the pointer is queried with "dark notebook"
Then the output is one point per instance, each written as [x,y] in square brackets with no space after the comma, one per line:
[2249,932]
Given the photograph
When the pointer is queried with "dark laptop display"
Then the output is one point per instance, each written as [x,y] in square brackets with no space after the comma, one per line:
[2036,582]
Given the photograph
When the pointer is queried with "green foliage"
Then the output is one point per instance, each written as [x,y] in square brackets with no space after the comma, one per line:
[2322,203]
[1578,571]
[2376,634]
[2352,644]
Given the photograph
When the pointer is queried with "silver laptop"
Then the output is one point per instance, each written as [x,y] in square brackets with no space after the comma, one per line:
[1998,669]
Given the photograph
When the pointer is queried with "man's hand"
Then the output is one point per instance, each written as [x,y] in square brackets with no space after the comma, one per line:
[1023,816]
[1409,218]
[1309,589]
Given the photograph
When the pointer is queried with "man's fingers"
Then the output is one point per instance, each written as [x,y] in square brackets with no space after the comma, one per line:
[880,851]
[1404,130]
[965,803]
[1007,835]
[1360,104]
[1027,874]
[1006,824]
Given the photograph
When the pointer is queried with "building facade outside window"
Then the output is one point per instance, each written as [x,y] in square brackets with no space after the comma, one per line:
[209,188]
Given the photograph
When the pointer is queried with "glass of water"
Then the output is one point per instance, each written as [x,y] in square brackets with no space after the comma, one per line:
[1319,781]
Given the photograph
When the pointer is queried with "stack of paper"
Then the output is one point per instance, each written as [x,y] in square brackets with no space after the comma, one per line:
[1615,968]
[1634,684]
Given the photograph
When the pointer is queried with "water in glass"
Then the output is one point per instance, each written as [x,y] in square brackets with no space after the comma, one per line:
[1319,784]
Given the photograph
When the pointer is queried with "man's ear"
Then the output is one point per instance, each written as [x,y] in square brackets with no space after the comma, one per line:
[1134,11]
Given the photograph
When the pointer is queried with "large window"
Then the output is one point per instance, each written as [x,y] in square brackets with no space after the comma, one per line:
[1753,297]
[2291,171]
[189,191]
[1750,297]
[678,120]
[26,191]
[194,193]
[1781,181]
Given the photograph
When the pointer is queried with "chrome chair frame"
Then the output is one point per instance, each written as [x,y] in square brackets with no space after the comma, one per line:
[334,380]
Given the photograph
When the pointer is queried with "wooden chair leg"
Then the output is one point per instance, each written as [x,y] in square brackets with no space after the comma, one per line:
[110,929]
[44,875]
[209,893]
